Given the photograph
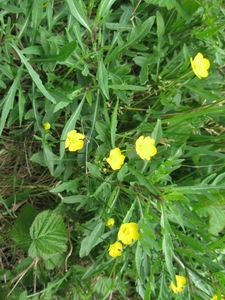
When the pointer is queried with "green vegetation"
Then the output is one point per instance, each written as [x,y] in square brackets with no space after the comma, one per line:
[104,121]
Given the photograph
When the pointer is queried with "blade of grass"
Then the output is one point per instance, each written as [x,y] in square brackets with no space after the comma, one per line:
[34,75]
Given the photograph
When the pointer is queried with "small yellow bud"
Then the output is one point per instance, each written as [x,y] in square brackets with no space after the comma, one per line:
[46,126]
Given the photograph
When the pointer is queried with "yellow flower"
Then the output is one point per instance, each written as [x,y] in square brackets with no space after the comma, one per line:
[200,66]
[115,249]
[110,222]
[181,281]
[46,126]
[115,159]
[128,232]
[145,147]
[215,297]
[74,140]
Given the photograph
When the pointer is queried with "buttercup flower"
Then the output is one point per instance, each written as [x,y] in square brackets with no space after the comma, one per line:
[145,147]
[115,249]
[115,159]
[128,233]
[110,222]
[215,297]
[200,66]
[181,281]
[46,126]
[74,140]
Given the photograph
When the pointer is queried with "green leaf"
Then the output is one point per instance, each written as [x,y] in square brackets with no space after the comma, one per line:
[34,75]
[128,87]
[114,125]
[203,93]
[160,25]
[94,170]
[77,9]
[102,285]
[102,77]
[70,125]
[157,132]
[207,33]
[90,241]
[167,244]
[8,100]
[20,232]
[169,4]
[104,8]
[143,181]
[64,53]
[136,34]
[69,186]
[48,156]
[49,235]
[216,220]
[37,13]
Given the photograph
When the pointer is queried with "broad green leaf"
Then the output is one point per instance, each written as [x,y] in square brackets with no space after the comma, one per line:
[77,9]
[20,232]
[70,125]
[102,77]
[34,75]
[8,100]
[75,199]
[49,235]
[90,241]
[114,125]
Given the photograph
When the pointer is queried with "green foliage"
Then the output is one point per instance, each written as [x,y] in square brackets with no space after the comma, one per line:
[113,71]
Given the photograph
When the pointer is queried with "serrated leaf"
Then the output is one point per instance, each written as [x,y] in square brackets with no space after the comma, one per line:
[49,235]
